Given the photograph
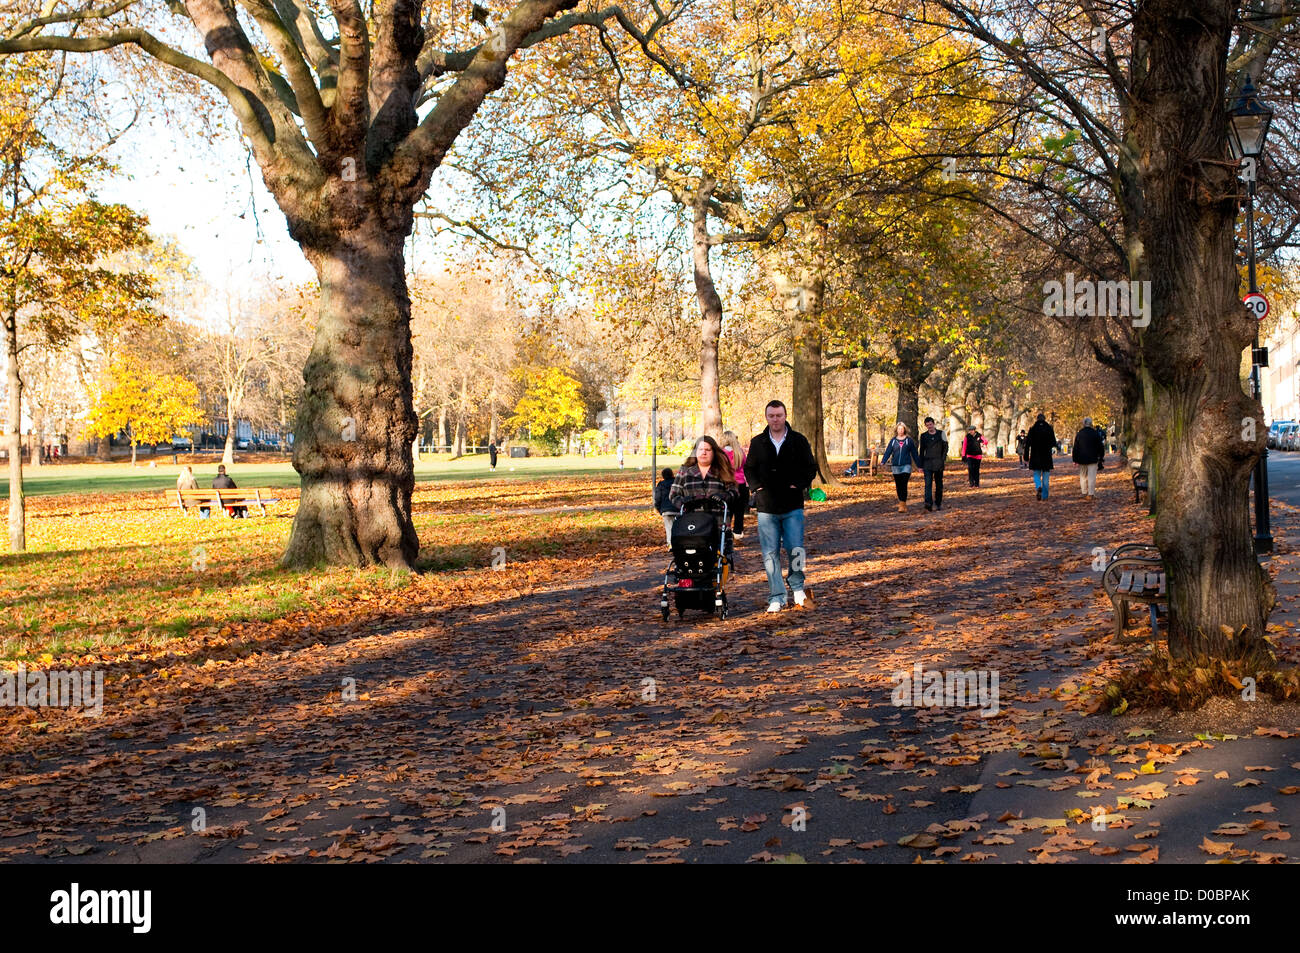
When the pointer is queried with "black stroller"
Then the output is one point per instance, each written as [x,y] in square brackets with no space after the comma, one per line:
[702,560]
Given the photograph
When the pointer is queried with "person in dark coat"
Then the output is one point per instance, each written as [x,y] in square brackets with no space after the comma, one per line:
[663,504]
[223,482]
[1021,452]
[934,456]
[1041,443]
[779,468]
[1089,451]
[492,455]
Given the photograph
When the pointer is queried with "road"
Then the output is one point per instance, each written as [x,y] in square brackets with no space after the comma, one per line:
[1284,476]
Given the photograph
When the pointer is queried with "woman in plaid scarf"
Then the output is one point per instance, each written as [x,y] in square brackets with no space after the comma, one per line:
[706,473]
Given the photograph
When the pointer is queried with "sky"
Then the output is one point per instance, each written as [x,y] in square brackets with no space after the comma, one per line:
[201,191]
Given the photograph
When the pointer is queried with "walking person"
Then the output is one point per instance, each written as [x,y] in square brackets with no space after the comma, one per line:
[705,474]
[620,456]
[736,454]
[934,456]
[779,469]
[664,505]
[1041,443]
[492,455]
[900,455]
[1089,451]
[1021,452]
[972,451]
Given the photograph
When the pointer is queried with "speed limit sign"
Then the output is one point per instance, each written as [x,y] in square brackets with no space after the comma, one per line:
[1257,305]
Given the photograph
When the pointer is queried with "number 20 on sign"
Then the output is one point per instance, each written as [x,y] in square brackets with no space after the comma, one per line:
[1256,304]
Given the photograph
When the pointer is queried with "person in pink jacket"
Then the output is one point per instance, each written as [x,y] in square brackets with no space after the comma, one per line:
[972,451]
[731,447]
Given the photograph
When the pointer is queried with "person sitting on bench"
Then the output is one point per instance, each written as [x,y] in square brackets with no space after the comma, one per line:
[223,482]
[187,481]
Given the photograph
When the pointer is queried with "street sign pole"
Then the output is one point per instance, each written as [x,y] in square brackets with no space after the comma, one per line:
[654,444]
[1263,534]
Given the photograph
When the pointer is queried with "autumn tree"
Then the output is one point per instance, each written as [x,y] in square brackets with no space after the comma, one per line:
[348,113]
[149,406]
[551,407]
[1156,136]
[54,238]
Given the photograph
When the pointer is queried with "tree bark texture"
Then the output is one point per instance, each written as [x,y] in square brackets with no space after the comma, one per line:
[1219,596]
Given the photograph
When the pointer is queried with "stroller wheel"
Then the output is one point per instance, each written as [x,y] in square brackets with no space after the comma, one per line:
[720,605]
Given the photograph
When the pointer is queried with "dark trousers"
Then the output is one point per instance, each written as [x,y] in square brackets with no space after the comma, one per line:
[934,480]
[973,470]
[742,504]
[900,485]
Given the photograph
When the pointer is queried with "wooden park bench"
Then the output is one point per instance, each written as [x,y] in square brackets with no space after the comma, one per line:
[865,466]
[1140,478]
[1135,573]
[220,499]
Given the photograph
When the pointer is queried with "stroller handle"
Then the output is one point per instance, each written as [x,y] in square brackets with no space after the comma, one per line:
[712,504]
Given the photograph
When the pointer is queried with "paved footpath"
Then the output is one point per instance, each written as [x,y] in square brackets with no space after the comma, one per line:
[573,724]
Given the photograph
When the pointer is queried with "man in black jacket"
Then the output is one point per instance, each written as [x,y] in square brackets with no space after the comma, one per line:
[779,468]
[934,454]
[1089,450]
[222,482]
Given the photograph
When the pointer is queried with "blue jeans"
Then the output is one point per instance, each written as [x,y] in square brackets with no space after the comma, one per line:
[1041,480]
[773,530]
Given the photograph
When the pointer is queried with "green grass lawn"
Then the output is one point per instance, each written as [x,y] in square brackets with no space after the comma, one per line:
[59,479]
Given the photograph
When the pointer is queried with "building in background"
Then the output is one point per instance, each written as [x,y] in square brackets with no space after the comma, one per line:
[1280,381]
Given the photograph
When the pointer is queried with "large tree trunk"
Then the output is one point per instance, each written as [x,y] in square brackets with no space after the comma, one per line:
[356,420]
[706,294]
[1133,435]
[228,454]
[14,438]
[864,439]
[1219,597]
[909,403]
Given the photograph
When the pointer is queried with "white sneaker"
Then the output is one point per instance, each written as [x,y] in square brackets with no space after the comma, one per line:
[775,606]
[799,597]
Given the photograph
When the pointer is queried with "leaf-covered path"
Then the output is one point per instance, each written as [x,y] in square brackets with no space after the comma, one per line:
[515,719]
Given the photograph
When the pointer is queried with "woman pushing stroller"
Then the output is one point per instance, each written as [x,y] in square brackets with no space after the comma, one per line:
[700,543]
[706,474]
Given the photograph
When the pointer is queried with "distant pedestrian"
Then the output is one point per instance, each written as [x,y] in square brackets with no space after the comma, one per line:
[934,456]
[901,455]
[736,454]
[492,455]
[1021,452]
[663,504]
[1041,443]
[619,453]
[1089,450]
[972,451]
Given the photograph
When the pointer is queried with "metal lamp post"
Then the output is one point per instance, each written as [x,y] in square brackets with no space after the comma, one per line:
[1248,122]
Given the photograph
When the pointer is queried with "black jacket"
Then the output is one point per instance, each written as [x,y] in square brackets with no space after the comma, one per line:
[778,480]
[934,449]
[223,482]
[661,497]
[1040,443]
[1088,447]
